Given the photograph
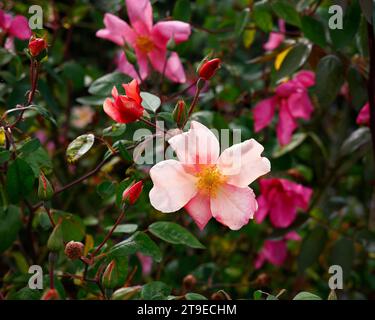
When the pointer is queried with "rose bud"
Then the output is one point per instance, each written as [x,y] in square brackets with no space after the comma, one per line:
[132,193]
[51,294]
[36,46]
[179,113]
[208,69]
[74,250]
[189,282]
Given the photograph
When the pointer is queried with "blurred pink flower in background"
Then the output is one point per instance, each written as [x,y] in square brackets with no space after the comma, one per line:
[14,27]
[280,199]
[364,115]
[293,102]
[206,183]
[82,116]
[146,263]
[275,251]
[148,41]
[276,38]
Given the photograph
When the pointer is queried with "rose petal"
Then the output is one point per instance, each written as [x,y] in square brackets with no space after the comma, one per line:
[263,113]
[116,30]
[165,30]
[173,187]
[242,163]
[19,28]
[199,209]
[233,206]
[286,124]
[140,15]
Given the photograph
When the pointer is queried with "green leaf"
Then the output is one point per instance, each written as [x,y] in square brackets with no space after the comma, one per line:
[10,224]
[155,291]
[106,189]
[330,78]
[262,16]
[103,86]
[284,10]
[4,156]
[29,146]
[43,112]
[295,59]
[39,160]
[242,22]
[5,56]
[115,273]
[91,100]
[296,141]
[79,146]
[174,233]
[20,180]
[182,10]
[355,141]
[314,30]
[127,293]
[306,296]
[311,248]
[343,255]
[115,130]
[55,241]
[139,241]
[124,228]
[73,228]
[150,101]
[194,296]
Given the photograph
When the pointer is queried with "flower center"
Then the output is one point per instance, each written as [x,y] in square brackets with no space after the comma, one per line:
[144,44]
[209,180]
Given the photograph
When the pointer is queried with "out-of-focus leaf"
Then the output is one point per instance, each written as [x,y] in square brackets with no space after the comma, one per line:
[72,226]
[4,156]
[115,273]
[174,233]
[194,296]
[150,101]
[311,248]
[343,255]
[5,56]
[43,112]
[103,86]
[367,7]
[124,228]
[281,57]
[139,241]
[329,79]
[182,10]
[306,296]
[242,21]
[284,10]
[356,140]
[262,16]
[79,146]
[10,224]
[155,290]
[91,100]
[29,146]
[106,189]
[115,130]
[296,141]
[314,30]
[127,293]
[249,36]
[295,58]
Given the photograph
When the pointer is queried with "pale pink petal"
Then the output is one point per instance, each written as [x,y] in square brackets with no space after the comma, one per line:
[233,206]
[242,163]
[165,30]
[364,115]
[197,146]
[124,66]
[274,41]
[263,209]
[9,44]
[116,30]
[19,28]
[146,262]
[263,113]
[140,15]
[293,235]
[275,251]
[174,69]
[199,209]
[286,124]
[300,105]
[306,78]
[173,187]
[282,211]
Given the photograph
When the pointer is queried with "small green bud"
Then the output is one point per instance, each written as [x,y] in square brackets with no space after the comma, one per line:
[55,240]
[180,113]
[45,189]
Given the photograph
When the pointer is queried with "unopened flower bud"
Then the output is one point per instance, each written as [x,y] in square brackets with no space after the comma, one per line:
[45,189]
[171,44]
[189,282]
[50,294]
[74,250]
[36,46]
[132,193]
[130,56]
[179,113]
[262,280]
[208,69]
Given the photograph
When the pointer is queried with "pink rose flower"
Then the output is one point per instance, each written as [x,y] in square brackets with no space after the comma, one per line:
[146,263]
[275,251]
[206,183]
[14,27]
[276,38]
[280,198]
[148,41]
[293,102]
[364,115]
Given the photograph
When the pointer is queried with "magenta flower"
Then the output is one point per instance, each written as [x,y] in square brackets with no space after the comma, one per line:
[293,102]
[275,251]
[206,183]
[364,115]
[276,38]
[280,198]
[148,41]
[14,27]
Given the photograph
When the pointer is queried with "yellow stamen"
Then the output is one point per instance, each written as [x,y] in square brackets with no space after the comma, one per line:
[144,44]
[209,180]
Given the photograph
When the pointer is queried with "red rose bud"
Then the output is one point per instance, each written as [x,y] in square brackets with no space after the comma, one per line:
[74,250]
[132,193]
[36,46]
[209,68]
[51,294]
[179,113]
